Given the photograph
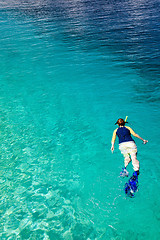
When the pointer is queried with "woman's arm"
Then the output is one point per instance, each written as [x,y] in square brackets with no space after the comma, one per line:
[113,140]
[136,135]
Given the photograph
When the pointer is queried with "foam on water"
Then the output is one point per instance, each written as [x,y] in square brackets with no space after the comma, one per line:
[63,84]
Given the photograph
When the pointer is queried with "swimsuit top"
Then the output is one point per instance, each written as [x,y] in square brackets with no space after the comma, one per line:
[124,135]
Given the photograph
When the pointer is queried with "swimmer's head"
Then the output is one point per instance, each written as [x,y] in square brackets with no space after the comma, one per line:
[120,122]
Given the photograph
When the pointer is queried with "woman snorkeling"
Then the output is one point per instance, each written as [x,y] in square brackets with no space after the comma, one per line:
[127,145]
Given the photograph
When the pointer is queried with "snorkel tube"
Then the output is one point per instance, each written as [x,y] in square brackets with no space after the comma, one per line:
[126,119]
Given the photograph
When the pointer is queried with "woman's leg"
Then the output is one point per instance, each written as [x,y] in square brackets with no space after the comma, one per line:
[127,159]
[132,149]
[123,147]
[135,162]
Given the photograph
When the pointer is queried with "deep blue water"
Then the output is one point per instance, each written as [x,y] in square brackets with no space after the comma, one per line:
[68,71]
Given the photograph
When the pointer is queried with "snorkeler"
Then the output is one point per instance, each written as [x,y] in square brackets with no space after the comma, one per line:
[127,145]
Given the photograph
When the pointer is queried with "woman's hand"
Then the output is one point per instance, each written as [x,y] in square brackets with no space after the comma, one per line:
[112,148]
[145,141]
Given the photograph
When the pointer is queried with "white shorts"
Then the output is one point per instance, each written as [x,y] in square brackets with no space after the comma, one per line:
[129,151]
[128,148]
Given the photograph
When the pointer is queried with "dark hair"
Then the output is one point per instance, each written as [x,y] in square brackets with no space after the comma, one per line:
[120,122]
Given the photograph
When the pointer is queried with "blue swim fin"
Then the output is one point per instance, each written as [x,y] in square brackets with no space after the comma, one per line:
[124,173]
[132,185]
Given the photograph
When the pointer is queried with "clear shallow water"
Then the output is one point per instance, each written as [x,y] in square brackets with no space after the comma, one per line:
[69,69]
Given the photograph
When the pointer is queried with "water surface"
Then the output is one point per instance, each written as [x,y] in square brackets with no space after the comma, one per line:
[68,71]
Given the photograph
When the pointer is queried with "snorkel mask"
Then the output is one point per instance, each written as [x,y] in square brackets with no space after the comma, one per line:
[121,121]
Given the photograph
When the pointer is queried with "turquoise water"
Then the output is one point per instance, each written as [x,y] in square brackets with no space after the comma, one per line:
[68,71]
